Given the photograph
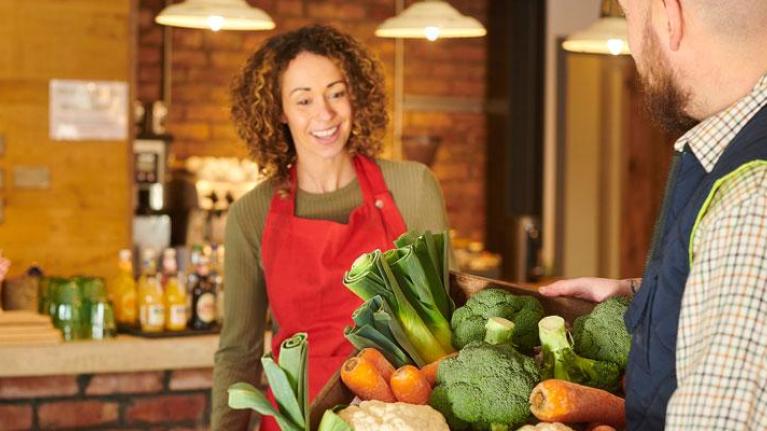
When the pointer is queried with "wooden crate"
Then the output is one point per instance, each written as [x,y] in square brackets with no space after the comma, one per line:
[462,286]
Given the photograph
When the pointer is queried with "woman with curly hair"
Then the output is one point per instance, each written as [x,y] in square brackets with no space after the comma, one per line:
[310,106]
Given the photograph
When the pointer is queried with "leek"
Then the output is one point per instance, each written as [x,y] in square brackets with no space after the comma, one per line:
[293,360]
[288,382]
[422,286]
[246,396]
[375,326]
[433,253]
[419,335]
[364,279]
[412,281]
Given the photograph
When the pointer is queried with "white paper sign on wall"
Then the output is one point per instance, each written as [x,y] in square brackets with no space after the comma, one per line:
[88,110]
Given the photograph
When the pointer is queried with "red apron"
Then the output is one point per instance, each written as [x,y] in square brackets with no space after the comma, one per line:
[304,263]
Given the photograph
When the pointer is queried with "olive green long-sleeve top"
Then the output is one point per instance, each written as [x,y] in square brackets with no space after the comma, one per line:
[419,199]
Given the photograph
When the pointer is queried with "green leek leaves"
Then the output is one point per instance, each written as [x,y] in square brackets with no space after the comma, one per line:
[411,284]
[289,384]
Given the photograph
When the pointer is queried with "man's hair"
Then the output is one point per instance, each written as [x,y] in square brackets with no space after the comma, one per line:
[737,20]
[257,99]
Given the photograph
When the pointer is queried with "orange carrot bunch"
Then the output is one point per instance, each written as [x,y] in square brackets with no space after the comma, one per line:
[410,386]
[556,400]
[378,360]
[365,380]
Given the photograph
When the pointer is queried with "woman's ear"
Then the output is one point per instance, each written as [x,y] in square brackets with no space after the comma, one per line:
[675,23]
[283,119]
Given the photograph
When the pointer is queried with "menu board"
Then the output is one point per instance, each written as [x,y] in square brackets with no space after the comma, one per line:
[88,110]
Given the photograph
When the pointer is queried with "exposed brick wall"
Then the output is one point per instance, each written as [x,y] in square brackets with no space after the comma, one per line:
[157,401]
[203,64]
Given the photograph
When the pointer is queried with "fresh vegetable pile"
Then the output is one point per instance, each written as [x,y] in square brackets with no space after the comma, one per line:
[422,364]
[494,381]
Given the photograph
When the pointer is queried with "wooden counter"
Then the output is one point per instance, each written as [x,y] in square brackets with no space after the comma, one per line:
[123,354]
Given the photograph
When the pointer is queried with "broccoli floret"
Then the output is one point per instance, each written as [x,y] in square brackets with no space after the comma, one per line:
[486,386]
[561,362]
[440,401]
[468,322]
[602,335]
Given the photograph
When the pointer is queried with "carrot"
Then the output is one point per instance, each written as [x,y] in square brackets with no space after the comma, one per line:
[598,427]
[562,401]
[364,379]
[430,370]
[410,386]
[378,360]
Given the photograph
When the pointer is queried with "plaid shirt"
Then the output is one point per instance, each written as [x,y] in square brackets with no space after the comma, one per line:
[721,352]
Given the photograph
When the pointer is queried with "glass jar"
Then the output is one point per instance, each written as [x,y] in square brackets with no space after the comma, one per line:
[67,308]
[98,315]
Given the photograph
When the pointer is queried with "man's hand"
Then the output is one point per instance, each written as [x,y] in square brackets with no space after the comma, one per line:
[589,288]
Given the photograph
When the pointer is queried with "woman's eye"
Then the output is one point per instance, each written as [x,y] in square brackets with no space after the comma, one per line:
[338,94]
[303,102]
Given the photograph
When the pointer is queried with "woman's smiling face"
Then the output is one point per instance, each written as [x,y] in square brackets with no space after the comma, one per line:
[316,106]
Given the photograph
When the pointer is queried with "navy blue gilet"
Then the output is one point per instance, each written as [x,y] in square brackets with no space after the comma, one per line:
[653,317]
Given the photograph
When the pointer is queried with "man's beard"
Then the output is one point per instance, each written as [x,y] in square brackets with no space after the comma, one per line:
[664,101]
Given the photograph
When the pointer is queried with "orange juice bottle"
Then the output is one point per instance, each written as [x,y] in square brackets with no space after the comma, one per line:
[150,297]
[174,293]
[123,290]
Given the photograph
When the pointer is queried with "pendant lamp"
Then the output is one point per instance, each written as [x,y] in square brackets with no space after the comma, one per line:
[608,35]
[215,15]
[430,19]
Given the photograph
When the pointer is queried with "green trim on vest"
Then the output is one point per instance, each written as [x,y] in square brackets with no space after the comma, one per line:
[710,197]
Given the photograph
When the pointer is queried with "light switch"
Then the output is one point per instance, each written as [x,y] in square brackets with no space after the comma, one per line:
[31,177]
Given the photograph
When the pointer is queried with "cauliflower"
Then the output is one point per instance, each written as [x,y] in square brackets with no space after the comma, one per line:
[381,416]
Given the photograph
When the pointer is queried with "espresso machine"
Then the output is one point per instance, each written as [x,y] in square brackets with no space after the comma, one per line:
[151,219]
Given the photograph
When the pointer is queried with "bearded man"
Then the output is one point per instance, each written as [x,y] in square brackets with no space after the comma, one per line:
[698,317]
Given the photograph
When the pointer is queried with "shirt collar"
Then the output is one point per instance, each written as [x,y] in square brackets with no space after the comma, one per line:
[708,139]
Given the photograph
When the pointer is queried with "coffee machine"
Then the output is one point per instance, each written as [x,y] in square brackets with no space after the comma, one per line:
[151,220]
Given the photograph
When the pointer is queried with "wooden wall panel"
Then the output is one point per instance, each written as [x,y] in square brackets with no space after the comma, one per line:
[78,224]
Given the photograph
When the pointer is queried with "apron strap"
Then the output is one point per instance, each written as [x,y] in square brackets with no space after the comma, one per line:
[369,177]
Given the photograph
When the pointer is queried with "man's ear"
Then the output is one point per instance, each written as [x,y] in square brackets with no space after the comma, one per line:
[675,23]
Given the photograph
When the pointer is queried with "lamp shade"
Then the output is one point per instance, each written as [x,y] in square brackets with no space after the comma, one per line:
[430,19]
[215,15]
[608,35]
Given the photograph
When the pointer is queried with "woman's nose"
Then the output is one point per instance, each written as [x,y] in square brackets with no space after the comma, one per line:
[326,111]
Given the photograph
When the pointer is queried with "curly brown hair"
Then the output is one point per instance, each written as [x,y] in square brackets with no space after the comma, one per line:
[257,101]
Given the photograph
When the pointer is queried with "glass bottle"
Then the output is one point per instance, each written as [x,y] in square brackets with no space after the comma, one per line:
[174,293]
[203,296]
[150,297]
[123,290]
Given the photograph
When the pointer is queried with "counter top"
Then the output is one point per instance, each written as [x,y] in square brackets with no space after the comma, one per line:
[123,354]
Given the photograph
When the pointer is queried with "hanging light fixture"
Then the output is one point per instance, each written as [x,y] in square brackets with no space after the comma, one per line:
[430,19]
[215,15]
[608,35]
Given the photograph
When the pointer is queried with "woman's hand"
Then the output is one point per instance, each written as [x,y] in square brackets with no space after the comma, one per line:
[589,288]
